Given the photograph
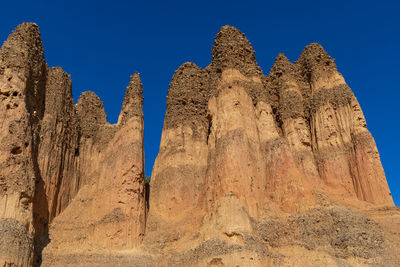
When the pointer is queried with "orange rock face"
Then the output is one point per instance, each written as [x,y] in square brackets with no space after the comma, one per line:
[22,84]
[63,165]
[267,140]
[109,210]
[238,146]
[253,170]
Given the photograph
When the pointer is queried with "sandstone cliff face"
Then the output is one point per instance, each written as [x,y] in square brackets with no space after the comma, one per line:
[238,147]
[58,159]
[22,83]
[109,210]
[253,170]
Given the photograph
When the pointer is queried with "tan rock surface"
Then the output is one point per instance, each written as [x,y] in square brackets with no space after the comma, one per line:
[63,165]
[109,211]
[22,85]
[286,174]
[252,170]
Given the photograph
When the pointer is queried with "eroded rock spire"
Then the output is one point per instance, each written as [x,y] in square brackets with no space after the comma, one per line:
[22,85]
[282,143]
[133,100]
[53,152]
[250,168]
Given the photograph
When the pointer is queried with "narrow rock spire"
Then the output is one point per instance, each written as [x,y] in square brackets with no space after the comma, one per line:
[133,100]
[22,93]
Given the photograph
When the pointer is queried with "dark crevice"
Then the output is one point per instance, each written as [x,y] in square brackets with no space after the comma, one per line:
[6,94]
[35,103]
[209,118]
[16,150]
[147,195]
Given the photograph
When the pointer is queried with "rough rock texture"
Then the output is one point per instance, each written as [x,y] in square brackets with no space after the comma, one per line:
[260,171]
[22,84]
[252,170]
[108,212]
[62,165]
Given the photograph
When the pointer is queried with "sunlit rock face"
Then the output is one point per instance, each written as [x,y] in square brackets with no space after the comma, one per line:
[23,72]
[108,212]
[235,139]
[253,170]
[62,165]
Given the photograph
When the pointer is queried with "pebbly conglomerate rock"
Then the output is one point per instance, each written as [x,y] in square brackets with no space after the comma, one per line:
[108,211]
[54,153]
[238,147]
[253,170]
[22,83]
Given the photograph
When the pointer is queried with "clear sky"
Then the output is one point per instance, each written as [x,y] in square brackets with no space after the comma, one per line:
[101,43]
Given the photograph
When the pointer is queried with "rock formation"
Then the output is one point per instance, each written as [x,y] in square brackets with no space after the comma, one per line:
[23,78]
[58,160]
[253,170]
[109,210]
[239,147]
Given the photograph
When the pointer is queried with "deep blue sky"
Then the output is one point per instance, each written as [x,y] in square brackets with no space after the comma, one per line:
[101,43]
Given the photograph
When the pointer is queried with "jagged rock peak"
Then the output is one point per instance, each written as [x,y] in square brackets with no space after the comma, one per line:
[26,33]
[91,113]
[133,100]
[135,87]
[188,95]
[23,48]
[185,66]
[281,58]
[58,90]
[231,49]
[282,65]
[60,71]
[183,75]
[314,56]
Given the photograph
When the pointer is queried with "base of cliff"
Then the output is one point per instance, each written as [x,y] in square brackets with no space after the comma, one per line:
[332,235]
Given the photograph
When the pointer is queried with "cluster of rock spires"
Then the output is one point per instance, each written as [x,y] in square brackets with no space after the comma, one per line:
[53,152]
[248,166]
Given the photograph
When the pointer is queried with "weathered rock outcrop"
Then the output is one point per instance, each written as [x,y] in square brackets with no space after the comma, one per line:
[108,212]
[238,147]
[58,160]
[22,83]
[253,170]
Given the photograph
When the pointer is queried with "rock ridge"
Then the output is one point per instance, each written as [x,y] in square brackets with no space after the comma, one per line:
[252,170]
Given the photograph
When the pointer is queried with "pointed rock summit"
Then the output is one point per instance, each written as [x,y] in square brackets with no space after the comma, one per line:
[91,113]
[282,66]
[24,48]
[315,59]
[133,100]
[188,96]
[231,49]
